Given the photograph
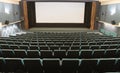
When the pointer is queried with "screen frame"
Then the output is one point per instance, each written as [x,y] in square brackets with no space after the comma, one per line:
[32,15]
[80,3]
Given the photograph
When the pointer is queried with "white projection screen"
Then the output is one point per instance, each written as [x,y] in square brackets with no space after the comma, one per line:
[60,12]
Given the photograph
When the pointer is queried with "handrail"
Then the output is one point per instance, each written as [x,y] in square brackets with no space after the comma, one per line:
[11,23]
[15,22]
[109,24]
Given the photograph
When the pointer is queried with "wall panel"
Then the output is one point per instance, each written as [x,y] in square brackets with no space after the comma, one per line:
[8,12]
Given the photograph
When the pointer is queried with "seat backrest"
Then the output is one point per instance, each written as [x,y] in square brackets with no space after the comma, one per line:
[118,52]
[26,47]
[51,63]
[94,46]
[113,46]
[34,43]
[4,46]
[33,53]
[59,53]
[107,64]
[75,47]
[54,47]
[98,53]
[86,53]
[20,53]
[84,43]
[43,47]
[73,53]
[64,47]
[76,43]
[69,64]
[6,53]
[85,47]
[104,46]
[2,64]
[33,64]
[33,47]
[14,46]
[13,64]
[110,53]
[46,53]
[88,64]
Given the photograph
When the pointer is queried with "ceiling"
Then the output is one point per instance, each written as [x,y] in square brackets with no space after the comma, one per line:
[104,0]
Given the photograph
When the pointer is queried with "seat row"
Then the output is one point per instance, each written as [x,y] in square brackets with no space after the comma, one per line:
[59,42]
[17,53]
[62,37]
[58,47]
[53,65]
[65,36]
[75,39]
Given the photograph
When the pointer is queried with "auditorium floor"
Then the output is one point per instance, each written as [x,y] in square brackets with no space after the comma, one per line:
[61,29]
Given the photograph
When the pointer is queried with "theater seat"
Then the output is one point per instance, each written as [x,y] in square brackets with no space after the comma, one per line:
[87,65]
[4,46]
[73,54]
[64,47]
[6,53]
[113,46]
[13,46]
[33,47]
[2,64]
[84,43]
[118,53]
[85,47]
[76,43]
[104,46]
[75,47]
[107,65]
[34,43]
[43,47]
[117,64]
[51,65]
[46,53]
[7,42]
[33,53]
[33,65]
[69,65]
[94,47]
[54,47]
[20,53]
[14,65]
[3,42]
[86,53]
[99,53]
[19,43]
[25,47]
[110,53]
[60,53]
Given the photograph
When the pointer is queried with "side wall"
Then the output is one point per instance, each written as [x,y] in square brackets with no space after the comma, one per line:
[9,11]
[110,10]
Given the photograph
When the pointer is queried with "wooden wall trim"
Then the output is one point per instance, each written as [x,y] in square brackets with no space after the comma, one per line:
[25,13]
[93,16]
